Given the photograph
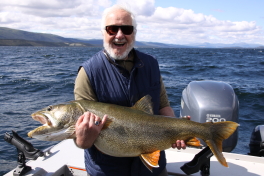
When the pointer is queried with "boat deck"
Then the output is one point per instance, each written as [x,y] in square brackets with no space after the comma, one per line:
[65,158]
[238,164]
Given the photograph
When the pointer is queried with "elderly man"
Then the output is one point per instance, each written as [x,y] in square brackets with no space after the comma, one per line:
[120,75]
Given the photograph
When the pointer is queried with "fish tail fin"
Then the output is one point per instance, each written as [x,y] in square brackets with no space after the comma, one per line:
[220,131]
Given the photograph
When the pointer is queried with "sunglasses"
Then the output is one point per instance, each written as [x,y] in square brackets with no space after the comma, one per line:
[113,29]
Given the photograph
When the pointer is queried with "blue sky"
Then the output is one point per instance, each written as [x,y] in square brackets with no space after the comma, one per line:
[234,10]
[166,21]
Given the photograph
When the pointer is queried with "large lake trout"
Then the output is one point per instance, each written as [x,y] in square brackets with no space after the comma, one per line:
[131,131]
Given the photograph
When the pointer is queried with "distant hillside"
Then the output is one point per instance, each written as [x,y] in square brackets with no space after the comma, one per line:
[17,42]
[220,45]
[14,37]
[8,33]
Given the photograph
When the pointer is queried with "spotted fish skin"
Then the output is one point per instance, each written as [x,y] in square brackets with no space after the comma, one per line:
[131,131]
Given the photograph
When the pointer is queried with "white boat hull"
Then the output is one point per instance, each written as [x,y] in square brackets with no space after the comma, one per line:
[65,158]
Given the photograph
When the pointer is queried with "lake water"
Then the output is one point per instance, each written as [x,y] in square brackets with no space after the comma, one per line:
[34,77]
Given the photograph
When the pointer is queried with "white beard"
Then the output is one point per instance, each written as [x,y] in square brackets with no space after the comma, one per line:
[111,53]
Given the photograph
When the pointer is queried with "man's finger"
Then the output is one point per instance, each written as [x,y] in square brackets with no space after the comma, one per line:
[178,143]
[79,121]
[104,119]
[183,145]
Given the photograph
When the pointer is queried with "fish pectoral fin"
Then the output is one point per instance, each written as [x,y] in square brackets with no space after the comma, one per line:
[193,142]
[107,123]
[150,160]
[70,131]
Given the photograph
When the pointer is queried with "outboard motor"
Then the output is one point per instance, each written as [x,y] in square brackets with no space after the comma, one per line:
[211,101]
[256,144]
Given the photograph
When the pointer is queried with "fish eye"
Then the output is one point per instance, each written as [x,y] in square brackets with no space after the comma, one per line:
[49,108]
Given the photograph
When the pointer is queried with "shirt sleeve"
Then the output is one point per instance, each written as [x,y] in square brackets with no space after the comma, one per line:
[164,101]
[83,89]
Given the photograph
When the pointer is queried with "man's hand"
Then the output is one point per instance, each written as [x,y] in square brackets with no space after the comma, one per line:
[180,144]
[87,129]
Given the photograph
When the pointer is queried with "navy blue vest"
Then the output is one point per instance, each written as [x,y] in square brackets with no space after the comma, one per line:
[114,84]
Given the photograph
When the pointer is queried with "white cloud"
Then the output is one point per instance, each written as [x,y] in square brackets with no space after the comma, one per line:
[54,8]
[177,25]
[139,7]
[68,18]
[81,19]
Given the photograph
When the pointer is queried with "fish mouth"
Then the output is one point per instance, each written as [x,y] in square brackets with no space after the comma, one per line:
[42,118]
[37,131]
[51,130]
[46,133]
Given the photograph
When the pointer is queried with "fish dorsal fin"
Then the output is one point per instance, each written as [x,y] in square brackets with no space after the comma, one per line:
[150,160]
[144,104]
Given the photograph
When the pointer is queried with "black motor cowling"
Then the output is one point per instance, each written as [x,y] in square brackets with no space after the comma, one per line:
[256,144]
[211,101]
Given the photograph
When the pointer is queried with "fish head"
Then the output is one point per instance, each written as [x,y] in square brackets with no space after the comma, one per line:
[58,122]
